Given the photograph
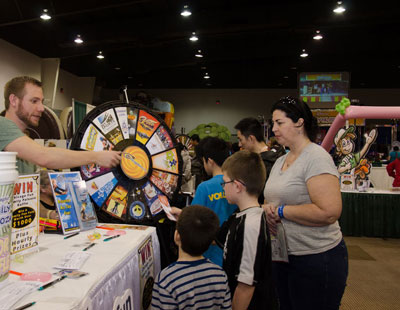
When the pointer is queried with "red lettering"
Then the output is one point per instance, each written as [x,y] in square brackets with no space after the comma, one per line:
[17,188]
[29,187]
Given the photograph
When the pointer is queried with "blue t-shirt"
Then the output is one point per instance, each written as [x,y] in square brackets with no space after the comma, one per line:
[393,155]
[211,194]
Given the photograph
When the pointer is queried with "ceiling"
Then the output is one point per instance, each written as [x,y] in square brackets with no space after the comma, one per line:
[246,43]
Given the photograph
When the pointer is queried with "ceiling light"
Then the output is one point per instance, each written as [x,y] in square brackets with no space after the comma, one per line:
[78,39]
[193,38]
[318,35]
[206,76]
[117,68]
[199,54]
[339,9]
[100,55]
[304,54]
[186,12]
[45,15]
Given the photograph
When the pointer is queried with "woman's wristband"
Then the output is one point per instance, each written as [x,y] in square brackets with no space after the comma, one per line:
[280,211]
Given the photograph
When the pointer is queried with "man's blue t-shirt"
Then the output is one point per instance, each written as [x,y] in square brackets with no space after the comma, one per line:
[211,194]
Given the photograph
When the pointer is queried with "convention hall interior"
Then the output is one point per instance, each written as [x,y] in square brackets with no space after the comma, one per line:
[199,67]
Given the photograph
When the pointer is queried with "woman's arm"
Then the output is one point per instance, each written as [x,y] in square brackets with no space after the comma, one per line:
[326,206]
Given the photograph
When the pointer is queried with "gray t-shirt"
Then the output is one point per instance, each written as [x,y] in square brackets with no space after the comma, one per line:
[9,132]
[289,187]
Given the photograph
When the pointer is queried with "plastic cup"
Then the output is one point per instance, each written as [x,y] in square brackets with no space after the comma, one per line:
[8,177]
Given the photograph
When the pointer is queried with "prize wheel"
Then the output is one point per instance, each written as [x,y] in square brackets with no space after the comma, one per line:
[149,175]
[187,142]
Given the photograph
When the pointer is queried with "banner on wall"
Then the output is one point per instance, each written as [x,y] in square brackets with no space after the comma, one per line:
[325,117]
[25,220]
[146,272]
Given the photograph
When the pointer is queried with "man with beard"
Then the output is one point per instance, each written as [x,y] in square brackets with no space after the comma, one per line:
[23,100]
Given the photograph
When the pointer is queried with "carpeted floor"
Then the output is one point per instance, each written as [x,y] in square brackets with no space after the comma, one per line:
[374,274]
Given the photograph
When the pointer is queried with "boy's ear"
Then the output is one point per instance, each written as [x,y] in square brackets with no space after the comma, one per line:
[177,237]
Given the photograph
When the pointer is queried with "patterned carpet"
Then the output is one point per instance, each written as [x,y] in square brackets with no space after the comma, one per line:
[374,274]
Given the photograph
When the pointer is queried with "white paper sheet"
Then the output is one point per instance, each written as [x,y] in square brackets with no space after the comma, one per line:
[15,291]
[73,260]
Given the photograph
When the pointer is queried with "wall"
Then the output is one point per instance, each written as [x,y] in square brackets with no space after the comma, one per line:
[71,86]
[197,106]
[14,61]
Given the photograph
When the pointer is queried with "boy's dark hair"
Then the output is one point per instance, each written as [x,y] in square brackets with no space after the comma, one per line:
[295,109]
[250,126]
[214,148]
[197,227]
[248,168]
[195,138]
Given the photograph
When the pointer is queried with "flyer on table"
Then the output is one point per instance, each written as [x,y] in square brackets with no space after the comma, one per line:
[62,185]
[25,220]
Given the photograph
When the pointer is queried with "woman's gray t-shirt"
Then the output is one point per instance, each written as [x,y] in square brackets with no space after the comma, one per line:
[289,187]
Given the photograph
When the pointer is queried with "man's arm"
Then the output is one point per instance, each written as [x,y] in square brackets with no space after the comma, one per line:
[242,297]
[58,158]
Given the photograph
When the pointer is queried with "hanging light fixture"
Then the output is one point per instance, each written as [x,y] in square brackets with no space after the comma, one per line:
[100,55]
[186,12]
[340,8]
[78,39]
[304,54]
[318,35]
[193,38]
[199,54]
[45,15]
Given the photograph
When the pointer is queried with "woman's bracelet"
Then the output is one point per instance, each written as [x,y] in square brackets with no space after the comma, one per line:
[280,211]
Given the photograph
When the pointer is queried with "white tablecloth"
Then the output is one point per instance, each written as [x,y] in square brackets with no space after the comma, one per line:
[113,267]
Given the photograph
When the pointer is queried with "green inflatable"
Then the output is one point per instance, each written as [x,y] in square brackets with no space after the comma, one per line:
[212,130]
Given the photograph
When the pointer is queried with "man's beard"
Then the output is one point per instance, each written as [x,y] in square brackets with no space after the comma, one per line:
[23,116]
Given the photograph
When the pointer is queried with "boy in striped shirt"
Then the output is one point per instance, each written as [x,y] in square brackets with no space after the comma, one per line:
[193,282]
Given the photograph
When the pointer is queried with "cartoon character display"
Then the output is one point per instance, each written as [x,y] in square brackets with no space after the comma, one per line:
[344,141]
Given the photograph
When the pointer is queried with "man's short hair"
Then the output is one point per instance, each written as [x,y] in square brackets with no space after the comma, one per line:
[16,86]
[250,126]
[195,138]
[248,168]
[197,227]
[214,148]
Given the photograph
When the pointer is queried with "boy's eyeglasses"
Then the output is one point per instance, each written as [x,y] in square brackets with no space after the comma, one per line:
[231,181]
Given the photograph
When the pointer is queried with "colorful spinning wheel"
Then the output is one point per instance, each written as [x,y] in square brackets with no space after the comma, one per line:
[186,141]
[149,175]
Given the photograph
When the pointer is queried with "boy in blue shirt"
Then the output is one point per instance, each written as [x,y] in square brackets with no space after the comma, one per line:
[213,152]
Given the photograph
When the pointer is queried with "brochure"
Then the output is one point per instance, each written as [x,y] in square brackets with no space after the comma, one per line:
[63,197]
[25,219]
[278,245]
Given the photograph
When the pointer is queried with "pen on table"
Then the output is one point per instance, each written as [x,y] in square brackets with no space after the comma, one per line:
[71,235]
[89,246]
[26,306]
[113,237]
[106,228]
[15,272]
[52,283]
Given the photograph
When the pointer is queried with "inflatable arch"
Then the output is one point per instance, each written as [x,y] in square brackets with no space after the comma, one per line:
[349,112]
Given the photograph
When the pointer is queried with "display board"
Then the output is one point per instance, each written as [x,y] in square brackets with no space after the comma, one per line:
[149,175]
[323,87]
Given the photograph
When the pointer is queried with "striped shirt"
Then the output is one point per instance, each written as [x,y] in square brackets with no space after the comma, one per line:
[191,285]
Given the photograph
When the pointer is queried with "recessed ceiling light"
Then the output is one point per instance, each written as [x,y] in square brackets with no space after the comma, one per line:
[117,68]
[318,35]
[186,12]
[199,54]
[340,8]
[206,76]
[193,38]
[100,55]
[285,77]
[130,77]
[304,54]
[45,15]
[293,68]
[78,39]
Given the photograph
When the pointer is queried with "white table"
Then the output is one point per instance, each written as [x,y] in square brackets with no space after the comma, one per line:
[114,268]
